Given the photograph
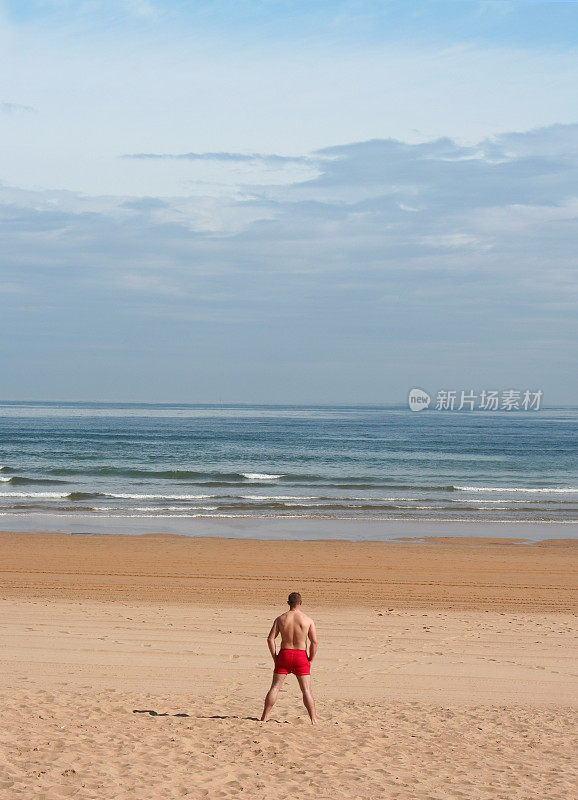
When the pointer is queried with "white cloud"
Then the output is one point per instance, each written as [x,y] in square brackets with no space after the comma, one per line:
[104,94]
[467,216]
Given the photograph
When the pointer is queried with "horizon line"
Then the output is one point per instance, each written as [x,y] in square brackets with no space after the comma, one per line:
[233,404]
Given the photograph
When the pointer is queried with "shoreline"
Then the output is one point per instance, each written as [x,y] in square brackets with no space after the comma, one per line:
[292,528]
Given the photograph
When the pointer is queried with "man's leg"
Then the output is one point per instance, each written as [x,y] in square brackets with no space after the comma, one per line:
[272,695]
[305,684]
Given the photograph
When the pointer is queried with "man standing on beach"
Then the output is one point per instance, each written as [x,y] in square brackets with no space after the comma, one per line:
[295,628]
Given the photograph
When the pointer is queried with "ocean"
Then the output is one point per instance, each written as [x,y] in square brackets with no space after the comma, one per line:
[147,463]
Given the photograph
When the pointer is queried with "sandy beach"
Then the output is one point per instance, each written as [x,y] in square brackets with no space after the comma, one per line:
[136,667]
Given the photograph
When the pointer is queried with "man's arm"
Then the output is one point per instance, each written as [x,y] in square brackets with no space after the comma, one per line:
[312,634]
[273,633]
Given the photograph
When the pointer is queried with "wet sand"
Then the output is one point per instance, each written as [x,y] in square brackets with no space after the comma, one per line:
[438,573]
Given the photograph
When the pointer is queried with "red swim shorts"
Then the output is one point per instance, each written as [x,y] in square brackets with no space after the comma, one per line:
[295,661]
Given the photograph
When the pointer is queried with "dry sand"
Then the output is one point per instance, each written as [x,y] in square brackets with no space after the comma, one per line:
[135,667]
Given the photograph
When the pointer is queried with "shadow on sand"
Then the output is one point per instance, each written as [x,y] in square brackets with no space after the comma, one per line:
[164,714]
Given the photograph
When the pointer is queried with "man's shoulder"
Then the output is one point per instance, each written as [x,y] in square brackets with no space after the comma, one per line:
[307,618]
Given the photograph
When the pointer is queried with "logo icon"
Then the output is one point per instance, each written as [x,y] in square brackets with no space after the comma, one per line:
[418,400]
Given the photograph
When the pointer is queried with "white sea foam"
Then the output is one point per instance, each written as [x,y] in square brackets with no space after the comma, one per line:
[368,498]
[124,496]
[157,508]
[178,516]
[260,476]
[45,495]
[486,500]
[323,505]
[276,497]
[566,490]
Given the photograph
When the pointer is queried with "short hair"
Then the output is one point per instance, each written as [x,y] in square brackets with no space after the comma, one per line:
[294,599]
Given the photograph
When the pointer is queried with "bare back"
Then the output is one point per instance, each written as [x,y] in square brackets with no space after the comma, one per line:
[294,627]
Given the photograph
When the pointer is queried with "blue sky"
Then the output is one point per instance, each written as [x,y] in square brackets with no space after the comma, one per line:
[497,21]
[287,201]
